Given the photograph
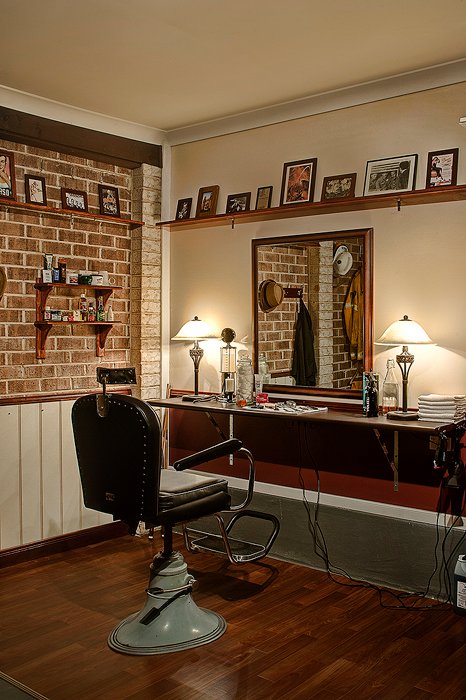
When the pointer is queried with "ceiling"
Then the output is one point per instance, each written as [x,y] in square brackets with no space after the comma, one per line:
[169,64]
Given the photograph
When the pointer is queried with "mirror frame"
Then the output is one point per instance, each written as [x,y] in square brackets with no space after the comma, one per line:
[367,235]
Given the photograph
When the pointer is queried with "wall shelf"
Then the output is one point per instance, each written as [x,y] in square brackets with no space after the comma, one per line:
[43,328]
[53,211]
[448,193]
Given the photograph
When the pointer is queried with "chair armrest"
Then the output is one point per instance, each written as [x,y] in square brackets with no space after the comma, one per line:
[220,450]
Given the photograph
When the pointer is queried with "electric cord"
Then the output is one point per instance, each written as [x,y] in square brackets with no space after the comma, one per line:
[321,549]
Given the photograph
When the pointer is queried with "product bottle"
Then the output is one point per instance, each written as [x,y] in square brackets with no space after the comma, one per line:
[244,380]
[91,312]
[263,368]
[372,398]
[83,307]
[110,314]
[390,389]
[100,309]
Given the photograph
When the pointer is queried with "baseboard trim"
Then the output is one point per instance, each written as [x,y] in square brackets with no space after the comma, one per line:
[62,543]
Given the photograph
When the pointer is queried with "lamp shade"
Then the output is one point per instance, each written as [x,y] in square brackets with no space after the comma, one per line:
[404,332]
[195,330]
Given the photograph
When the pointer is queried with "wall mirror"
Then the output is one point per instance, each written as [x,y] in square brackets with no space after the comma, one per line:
[312,297]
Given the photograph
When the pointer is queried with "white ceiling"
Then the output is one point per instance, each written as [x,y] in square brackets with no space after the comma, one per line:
[175,63]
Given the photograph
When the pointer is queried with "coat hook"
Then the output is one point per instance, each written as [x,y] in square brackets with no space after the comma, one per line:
[232,223]
[398,204]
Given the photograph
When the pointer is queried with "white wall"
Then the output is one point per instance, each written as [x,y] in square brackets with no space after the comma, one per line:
[420,252]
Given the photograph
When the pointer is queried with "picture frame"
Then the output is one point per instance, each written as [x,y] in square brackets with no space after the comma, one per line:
[238,202]
[442,168]
[34,187]
[390,175]
[109,200]
[73,200]
[298,181]
[338,187]
[7,175]
[207,201]
[183,208]
[264,197]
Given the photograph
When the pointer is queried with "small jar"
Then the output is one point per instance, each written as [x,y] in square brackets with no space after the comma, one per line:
[244,380]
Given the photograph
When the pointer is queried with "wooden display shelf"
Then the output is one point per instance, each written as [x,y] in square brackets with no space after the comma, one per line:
[43,328]
[54,211]
[448,193]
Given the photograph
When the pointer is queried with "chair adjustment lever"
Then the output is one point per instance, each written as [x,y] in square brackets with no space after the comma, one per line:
[155,612]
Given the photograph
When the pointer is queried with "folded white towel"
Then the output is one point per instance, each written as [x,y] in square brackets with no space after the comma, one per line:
[436,397]
[438,405]
[440,418]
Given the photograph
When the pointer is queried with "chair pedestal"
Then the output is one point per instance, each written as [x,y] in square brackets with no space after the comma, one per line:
[170,620]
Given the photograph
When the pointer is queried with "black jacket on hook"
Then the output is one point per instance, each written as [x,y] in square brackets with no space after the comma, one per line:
[304,368]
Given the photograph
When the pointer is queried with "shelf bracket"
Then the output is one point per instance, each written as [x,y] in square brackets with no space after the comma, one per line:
[392,462]
[42,332]
[101,338]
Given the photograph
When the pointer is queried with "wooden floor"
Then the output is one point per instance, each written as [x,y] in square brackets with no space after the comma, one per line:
[292,634]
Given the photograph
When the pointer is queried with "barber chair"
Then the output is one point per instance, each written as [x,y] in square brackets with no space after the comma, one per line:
[118,447]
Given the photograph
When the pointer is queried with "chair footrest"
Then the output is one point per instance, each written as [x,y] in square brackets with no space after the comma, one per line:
[241,551]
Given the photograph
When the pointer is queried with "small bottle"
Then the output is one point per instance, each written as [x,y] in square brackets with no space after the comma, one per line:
[390,390]
[47,313]
[244,380]
[83,307]
[91,312]
[100,309]
[372,398]
[110,314]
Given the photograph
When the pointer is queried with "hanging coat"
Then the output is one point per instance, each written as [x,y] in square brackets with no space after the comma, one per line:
[304,368]
[353,316]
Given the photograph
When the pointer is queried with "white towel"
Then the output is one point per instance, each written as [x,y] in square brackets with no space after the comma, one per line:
[436,397]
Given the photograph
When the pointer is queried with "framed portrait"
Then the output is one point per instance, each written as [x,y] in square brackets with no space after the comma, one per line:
[74,200]
[442,167]
[34,186]
[183,208]
[7,175]
[264,197]
[109,201]
[238,202]
[298,181]
[390,175]
[338,186]
[207,201]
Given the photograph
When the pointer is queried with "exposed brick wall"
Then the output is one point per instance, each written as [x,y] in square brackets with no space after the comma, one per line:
[25,236]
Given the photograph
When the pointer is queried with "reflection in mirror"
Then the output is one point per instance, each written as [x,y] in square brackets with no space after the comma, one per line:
[313,311]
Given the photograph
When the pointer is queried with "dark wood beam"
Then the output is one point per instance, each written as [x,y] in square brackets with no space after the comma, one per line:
[31,130]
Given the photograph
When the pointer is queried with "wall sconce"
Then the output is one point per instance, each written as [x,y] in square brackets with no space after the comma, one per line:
[401,333]
[195,330]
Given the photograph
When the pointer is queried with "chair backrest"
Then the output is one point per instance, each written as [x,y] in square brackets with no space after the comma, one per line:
[119,456]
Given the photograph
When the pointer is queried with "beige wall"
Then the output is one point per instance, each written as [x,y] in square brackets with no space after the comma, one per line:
[420,252]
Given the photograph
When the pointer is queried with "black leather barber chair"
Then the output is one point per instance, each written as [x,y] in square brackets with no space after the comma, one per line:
[118,446]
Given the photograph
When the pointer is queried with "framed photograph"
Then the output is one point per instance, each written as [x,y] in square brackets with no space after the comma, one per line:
[74,200]
[7,175]
[34,186]
[238,202]
[298,181]
[109,200]
[183,208]
[207,201]
[442,167]
[264,197]
[390,175]
[338,186]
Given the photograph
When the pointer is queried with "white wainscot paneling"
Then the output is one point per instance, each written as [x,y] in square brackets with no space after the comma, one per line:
[40,495]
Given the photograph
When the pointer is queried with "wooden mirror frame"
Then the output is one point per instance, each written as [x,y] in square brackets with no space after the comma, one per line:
[366,235]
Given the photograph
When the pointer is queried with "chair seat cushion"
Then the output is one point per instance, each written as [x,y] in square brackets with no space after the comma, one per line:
[185,495]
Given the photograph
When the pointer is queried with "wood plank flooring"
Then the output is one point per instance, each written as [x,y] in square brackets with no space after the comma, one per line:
[292,633]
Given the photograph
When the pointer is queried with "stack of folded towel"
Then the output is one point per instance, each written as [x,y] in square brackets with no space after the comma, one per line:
[438,407]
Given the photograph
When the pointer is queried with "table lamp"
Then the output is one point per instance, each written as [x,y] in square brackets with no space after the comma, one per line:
[195,330]
[401,333]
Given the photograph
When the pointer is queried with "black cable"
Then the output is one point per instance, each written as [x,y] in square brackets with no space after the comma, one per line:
[321,550]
